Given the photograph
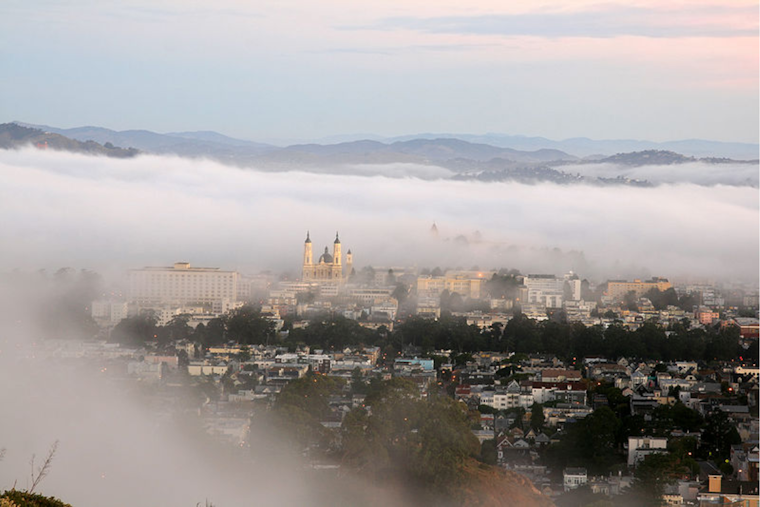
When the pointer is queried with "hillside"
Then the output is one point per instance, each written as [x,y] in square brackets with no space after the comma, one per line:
[648,157]
[427,158]
[15,136]
[187,144]
[488,486]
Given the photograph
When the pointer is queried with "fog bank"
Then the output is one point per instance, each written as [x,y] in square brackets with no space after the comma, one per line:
[700,173]
[123,442]
[63,209]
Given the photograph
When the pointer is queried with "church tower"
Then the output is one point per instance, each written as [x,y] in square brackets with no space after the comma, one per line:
[336,251]
[308,259]
[349,264]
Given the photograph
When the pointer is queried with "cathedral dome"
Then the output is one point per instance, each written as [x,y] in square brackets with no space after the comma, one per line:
[326,257]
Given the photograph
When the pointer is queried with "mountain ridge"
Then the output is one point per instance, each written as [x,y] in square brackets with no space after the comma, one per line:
[423,158]
[579,147]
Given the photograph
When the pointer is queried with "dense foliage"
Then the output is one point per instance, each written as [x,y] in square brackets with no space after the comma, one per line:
[16,498]
[245,325]
[396,434]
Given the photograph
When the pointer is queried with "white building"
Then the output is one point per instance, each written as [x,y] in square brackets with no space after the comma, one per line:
[574,478]
[182,285]
[641,447]
[198,368]
[109,313]
[544,290]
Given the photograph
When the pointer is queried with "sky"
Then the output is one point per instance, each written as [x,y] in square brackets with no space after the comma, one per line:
[109,215]
[302,70]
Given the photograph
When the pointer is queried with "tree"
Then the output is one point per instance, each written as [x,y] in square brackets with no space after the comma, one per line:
[214,333]
[303,403]
[400,293]
[443,443]
[537,416]
[654,472]
[358,385]
[246,325]
[488,452]
[718,436]
[135,331]
[178,328]
[630,301]
[244,354]
[332,333]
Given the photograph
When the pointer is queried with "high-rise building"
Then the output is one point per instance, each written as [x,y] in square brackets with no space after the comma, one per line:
[182,285]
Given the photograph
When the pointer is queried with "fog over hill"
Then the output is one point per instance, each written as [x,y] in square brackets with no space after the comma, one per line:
[80,211]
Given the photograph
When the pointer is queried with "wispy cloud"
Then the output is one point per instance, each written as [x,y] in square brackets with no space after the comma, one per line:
[406,49]
[603,22]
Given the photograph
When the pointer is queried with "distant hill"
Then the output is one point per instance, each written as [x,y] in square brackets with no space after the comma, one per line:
[425,157]
[421,151]
[664,157]
[15,136]
[585,147]
[648,157]
[185,144]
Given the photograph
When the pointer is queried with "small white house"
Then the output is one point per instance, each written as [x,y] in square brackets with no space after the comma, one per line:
[574,478]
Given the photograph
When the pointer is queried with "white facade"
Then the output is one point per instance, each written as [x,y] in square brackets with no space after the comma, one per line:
[182,285]
[574,478]
[544,290]
[109,313]
[640,447]
[202,368]
[575,286]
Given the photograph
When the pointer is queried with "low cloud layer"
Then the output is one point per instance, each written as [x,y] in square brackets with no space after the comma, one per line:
[693,172]
[63,209]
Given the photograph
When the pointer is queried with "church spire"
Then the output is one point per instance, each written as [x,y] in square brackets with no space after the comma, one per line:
[337,240]
[308,240]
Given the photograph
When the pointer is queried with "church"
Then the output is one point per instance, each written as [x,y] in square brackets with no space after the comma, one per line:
[329,268]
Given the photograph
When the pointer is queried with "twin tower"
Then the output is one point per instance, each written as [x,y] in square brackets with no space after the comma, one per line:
[329,268]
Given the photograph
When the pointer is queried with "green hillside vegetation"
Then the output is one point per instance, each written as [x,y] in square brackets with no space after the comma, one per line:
[402,440]
[16,498]
[14,136]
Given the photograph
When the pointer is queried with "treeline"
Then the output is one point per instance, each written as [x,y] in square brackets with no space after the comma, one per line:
[650,341]
[521,334]
[573,340]
[245,325]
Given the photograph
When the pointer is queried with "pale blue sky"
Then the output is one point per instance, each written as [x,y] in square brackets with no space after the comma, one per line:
[297,69]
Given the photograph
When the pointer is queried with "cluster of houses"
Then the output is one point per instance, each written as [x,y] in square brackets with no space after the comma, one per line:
[563,396]
[249,377]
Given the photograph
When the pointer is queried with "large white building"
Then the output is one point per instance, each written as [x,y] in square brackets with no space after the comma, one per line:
[181,286]
[544,290]
[550,291]
[108,313]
